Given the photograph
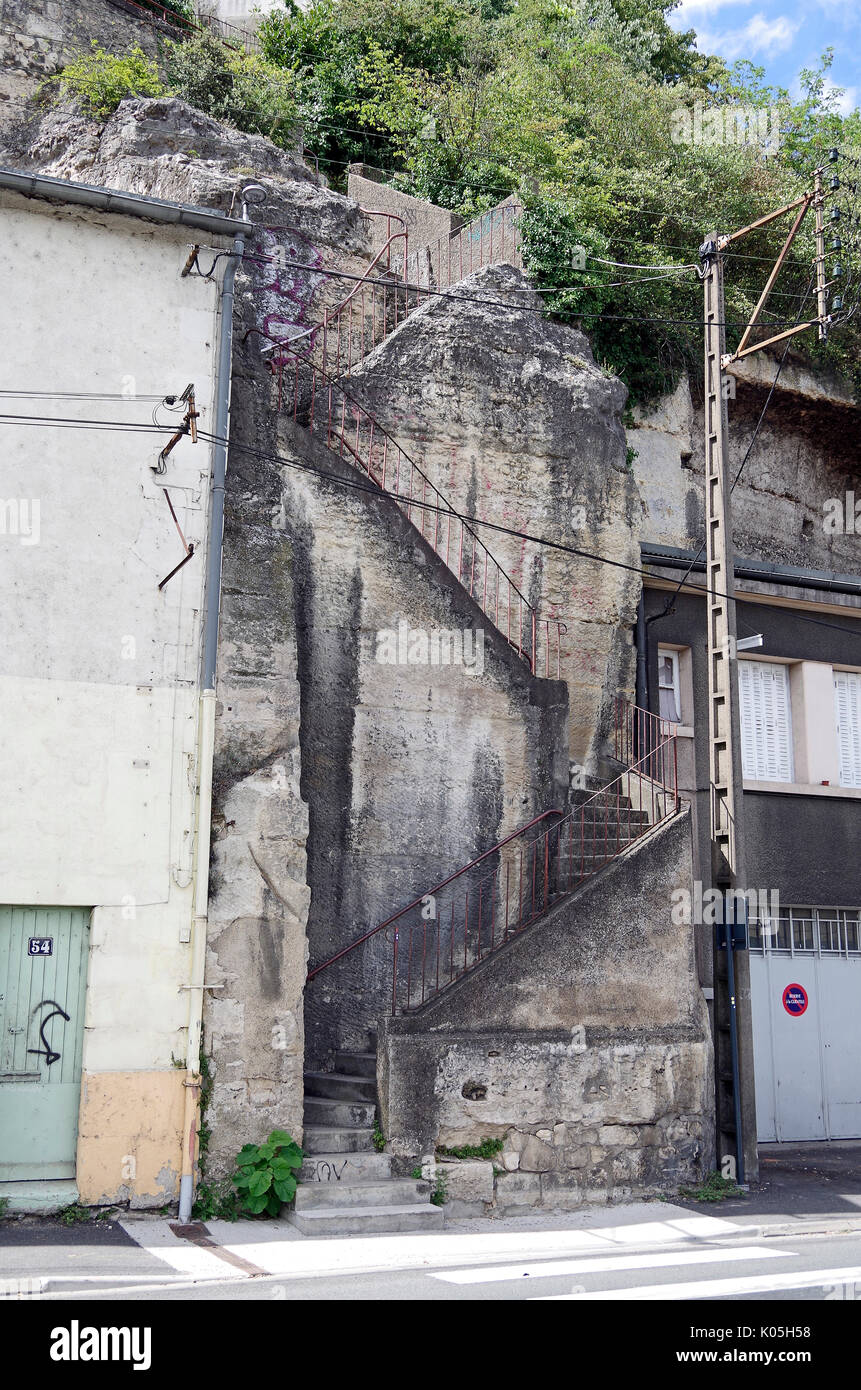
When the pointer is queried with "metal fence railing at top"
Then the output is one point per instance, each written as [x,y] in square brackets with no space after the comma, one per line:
[204,21]
[449,929]
[491,239]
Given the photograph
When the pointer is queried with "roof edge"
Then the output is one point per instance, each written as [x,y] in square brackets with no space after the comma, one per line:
[125,204]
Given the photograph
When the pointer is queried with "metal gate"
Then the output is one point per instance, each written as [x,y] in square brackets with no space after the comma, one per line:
[805,978]
[43,981]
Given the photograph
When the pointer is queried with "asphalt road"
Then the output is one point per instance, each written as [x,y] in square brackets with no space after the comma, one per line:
[637,1260]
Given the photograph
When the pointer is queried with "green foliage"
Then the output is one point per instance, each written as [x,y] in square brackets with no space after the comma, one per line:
[100,80]
[439,1195]
[216,1202]
[379,1139]
[74,1214]
[714,1188]
[486,1149]
[183,8]
[266,1174]
[243,90]
[4,1206]
[577,107]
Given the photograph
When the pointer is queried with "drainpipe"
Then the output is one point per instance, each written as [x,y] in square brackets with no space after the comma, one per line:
[641,639]
[206,720]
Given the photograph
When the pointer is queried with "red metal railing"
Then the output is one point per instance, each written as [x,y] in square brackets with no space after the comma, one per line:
[447,931]
[490,239]
[312,398]
[391,236]
[364,317]
[638,732]
[229,34]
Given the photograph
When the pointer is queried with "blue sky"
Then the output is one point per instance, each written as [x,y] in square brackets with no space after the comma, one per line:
[782,36]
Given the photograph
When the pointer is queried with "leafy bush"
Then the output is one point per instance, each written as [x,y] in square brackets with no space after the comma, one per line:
[243,90]
[266,1174]
[486,1149]
[714,1188]
[101,80]
[216,1202]
[184,8]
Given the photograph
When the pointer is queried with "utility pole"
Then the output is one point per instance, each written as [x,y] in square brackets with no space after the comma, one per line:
[736,1111]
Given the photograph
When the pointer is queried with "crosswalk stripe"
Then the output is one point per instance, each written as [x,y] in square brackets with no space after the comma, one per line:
[597,1264]
[721,1288]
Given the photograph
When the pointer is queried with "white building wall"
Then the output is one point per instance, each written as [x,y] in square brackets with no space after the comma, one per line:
[100,674]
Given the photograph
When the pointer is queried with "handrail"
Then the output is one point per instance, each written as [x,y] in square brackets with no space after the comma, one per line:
[429,893]
[445,270]
[638,730]
[394,471]
[321,335]
[447,943]
[557,862]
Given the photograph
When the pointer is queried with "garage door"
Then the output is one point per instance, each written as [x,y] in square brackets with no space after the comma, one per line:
[805,975]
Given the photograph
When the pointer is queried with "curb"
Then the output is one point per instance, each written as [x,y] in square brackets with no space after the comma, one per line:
[824,1226]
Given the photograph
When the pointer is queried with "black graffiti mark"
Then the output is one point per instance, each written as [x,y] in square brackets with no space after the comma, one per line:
[49,1055]
[330,1169]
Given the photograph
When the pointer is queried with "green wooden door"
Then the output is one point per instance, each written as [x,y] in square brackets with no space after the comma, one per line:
[43,984]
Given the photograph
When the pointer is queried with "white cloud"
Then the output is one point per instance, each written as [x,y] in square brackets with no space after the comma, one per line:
[688,8]
[759,37]
[846,103]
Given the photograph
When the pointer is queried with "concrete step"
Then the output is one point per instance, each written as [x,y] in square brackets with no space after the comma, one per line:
[322,1139]
[349,1221]
[40,1196]
[340,1087]
[320,1110]
[388,1192]
[356,1063]
[330,1169]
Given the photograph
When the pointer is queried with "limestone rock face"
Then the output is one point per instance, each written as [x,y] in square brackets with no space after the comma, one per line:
[512,420]
[805,456]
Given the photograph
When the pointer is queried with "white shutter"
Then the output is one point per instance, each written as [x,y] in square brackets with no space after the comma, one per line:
[847,702]
[766,721]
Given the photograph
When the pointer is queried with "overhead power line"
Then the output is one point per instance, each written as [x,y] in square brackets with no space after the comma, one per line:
[374,490]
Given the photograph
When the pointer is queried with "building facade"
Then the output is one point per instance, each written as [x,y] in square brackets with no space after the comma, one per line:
[104,809]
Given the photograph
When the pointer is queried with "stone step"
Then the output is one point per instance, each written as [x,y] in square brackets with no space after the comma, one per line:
[340,1087]
[329,1169]
[348,1221]
[389,1192]
[356,1063]
[320,1110]
[322,1139]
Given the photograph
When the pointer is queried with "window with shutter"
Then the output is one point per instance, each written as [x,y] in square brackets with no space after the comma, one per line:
[766,721]
[847,704]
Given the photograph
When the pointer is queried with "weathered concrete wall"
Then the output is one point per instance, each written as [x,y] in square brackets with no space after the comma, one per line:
[100,667]
[410,770]
[806,453]
[583,1044]
[513,422]
[259,900]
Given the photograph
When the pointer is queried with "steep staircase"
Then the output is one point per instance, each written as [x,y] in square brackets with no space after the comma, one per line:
[313,374]
[347,1187]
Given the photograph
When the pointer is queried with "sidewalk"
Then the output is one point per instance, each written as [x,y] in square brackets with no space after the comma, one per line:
[805,1189]
[812,1188]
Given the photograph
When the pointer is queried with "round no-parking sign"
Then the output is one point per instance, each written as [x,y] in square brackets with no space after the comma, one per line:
[795,1000]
